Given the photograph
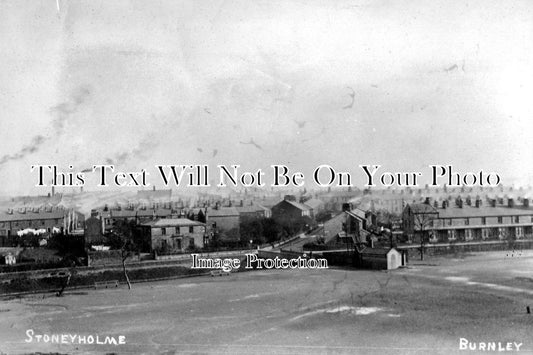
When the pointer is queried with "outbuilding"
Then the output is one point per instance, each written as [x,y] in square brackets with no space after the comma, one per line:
[381,258]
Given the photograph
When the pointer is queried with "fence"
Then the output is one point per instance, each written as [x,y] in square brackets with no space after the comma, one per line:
[413,250]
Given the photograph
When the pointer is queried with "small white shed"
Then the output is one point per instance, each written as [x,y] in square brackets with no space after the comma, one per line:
[381,258]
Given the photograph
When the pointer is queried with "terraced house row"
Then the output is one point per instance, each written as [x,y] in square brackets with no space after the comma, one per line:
[465,222]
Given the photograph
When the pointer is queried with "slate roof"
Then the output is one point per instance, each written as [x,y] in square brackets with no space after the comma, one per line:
[172,222]
[250,209]
[358,213]
[314,203]
[483,211]
[299,205]
[223,212]
[29,215]
[422,208]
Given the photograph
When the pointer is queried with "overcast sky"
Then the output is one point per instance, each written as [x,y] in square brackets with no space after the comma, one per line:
[399,83]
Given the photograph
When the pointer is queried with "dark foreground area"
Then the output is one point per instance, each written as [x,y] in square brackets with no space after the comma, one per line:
[424,309]
[87,278]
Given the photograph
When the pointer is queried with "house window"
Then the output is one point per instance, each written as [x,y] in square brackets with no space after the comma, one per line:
[450,222]
[163,231]
[191,243]
[191,230]
[500,220]
[451,235]
[483,220]
[517,219]
[467,222]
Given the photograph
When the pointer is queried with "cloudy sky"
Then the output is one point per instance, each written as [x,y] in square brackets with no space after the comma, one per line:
[398,83]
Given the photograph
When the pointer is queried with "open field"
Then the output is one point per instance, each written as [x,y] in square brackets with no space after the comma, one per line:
[423,309]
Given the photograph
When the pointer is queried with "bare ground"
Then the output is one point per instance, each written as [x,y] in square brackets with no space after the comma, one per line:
[423,309]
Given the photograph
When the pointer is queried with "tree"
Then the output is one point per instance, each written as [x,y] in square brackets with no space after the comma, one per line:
[385,218]
[297,225]
[271,230]
[71,248]
[422,222]
[323,216]
[122,239]
[259,230]
[252,229]
[65,282]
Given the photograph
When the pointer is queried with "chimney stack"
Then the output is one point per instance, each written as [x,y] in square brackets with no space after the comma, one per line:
[346,207]
[526,202]
[459,202]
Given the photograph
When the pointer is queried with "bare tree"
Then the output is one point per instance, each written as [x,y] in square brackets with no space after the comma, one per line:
[122,239]
[423,219]
[125,253]
[417,219]
[64,283]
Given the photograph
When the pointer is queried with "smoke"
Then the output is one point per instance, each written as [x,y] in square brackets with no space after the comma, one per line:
[62,113]
[64,110]
[32,147]
[142,151]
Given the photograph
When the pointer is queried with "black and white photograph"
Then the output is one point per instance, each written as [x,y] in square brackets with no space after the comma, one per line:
[266,177]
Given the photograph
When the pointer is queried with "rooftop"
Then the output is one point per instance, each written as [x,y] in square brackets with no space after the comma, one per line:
[172,222]
[482,211]
[298,205]
[314,203]
[30,215]
[222,212]
[422,208]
